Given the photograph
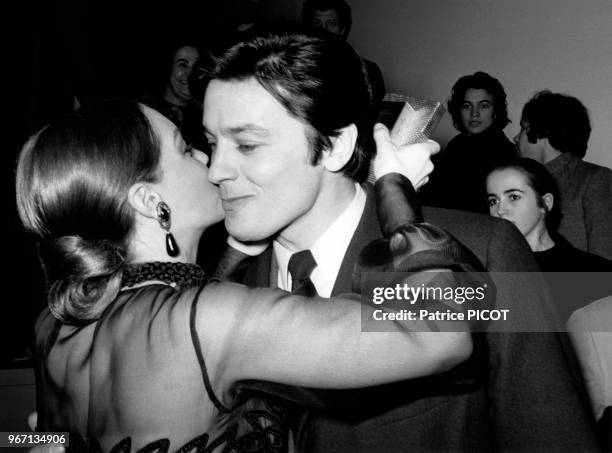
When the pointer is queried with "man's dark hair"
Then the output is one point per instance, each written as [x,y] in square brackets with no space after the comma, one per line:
[562,119]
[479,81]
[340,6]
[316,76]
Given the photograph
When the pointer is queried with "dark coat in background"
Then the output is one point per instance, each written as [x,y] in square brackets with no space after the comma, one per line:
[458,180]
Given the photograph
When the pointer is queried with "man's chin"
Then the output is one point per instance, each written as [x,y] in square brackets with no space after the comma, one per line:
[244,233]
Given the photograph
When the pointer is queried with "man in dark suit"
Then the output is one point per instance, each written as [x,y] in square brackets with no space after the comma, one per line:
[288,117]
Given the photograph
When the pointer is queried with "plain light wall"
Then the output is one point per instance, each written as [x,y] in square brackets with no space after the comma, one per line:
[424,46]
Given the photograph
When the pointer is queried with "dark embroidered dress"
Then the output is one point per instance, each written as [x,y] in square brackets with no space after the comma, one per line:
[255,426]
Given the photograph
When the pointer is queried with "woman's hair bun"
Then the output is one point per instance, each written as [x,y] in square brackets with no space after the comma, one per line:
[85,277]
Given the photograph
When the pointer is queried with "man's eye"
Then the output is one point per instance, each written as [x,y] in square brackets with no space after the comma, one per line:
[514,197]
[246,147]
[492,202]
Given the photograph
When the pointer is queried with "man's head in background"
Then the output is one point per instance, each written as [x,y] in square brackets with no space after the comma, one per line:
[331,15]
[551,124]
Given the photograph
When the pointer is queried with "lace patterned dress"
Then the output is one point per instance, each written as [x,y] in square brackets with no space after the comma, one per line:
[136,380]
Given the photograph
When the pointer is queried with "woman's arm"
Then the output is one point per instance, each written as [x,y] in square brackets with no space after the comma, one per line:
[271,335]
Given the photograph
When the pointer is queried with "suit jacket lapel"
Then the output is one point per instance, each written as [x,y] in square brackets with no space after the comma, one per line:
[262,272]
[367,231]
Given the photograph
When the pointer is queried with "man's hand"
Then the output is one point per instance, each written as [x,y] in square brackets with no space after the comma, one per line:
[413,160]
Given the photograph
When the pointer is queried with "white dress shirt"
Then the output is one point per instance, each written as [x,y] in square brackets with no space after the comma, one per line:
[328,250]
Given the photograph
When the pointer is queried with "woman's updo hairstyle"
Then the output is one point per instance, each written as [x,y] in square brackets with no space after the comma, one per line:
[73,179]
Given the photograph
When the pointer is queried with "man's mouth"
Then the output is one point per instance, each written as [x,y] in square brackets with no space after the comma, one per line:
[234,203]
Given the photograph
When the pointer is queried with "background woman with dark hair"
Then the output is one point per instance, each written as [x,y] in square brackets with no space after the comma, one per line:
[170,92]
[136,348]
[525,194]
[479,110]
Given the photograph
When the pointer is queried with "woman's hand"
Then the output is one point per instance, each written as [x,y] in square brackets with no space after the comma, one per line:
[412,160]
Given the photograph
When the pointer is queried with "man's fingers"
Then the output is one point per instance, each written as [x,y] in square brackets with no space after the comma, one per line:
[381,135]
[435,146]
[411,160]
[430,166]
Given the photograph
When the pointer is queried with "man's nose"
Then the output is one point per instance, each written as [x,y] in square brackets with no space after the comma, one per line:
[475,112]
[222,167]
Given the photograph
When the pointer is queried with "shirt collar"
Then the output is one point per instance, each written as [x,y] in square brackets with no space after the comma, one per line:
[328,250]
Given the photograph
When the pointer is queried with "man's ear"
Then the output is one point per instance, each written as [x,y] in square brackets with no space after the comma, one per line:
[341,151]
[549,201]
[143,199]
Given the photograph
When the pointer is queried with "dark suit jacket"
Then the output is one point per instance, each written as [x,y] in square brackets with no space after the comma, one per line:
[519,391]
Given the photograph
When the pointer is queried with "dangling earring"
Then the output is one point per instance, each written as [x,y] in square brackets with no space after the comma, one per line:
[163,217]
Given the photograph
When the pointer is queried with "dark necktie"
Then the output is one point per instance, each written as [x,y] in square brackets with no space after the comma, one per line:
[301,265]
